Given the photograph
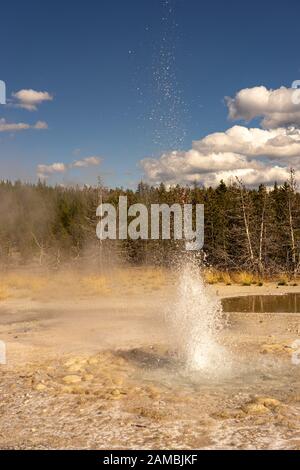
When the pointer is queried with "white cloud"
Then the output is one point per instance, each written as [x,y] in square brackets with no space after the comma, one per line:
[253,142]
[30,99]
[88,161]
[44,171]
[277,108]
[250,176]
[21,126]
[209,170]
[255,155]
[41,125]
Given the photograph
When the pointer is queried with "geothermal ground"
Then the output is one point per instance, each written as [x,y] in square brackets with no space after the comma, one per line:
[91,364]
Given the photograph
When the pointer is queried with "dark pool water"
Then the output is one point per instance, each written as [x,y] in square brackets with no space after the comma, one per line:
[288,303]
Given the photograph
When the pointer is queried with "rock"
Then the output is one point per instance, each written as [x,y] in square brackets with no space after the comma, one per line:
[40,387]
[78,390]
[261,420]
[255,409]
[88,377]
[268,402]
[67,389]
[75,360]
[276,348]
[93,361]
[118,381]
[75,368]
[153,392]
[229,414]
[100,393]
[71,361]
[72,379]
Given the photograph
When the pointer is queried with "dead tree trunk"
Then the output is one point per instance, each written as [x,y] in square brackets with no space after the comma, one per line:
[291,193]
[41,248]
[246,222]
[261,237]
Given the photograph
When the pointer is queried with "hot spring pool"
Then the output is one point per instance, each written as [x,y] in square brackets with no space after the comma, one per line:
[287,303]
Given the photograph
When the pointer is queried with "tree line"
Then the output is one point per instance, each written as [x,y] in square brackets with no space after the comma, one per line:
[253,229]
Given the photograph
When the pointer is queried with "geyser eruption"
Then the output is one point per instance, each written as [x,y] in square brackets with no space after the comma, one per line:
[197,319]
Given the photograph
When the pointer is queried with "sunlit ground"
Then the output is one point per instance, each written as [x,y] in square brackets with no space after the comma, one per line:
[93,363]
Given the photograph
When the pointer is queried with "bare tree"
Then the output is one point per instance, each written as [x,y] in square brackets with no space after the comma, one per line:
[292,187]
[246,221]
[262,232]
[40,246]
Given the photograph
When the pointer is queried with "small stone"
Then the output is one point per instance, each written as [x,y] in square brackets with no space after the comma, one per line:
[276,348]
[118,381]
[255,409]
[93,361]
[72,379]
[88,377]
[40,387]
[75,360]
[78,390]
[67,389]
[71,361]
[268,402]
[75,368]
[229,414]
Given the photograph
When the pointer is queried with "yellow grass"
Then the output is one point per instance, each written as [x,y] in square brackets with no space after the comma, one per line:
[148,278]
[96,285]
[211,277]
[283,279]
[24,281]
[4,292]
[245,279]
[124,281]
[214,277]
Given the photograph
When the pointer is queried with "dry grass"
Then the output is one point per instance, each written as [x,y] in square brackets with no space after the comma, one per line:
[66,284]
[95,285]
[211,277]
[283,280]
[4,292]
[242,278]
[24,282]
[123,281]
[215,277]
[148,279]
[245,278]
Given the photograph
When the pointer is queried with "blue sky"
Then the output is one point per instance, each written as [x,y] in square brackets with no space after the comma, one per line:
[97,59]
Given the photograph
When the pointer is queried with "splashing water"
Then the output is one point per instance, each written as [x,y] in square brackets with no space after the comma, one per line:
[168,110]
[197,320]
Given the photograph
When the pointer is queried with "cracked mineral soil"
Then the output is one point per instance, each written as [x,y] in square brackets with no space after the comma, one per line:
[103,373]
